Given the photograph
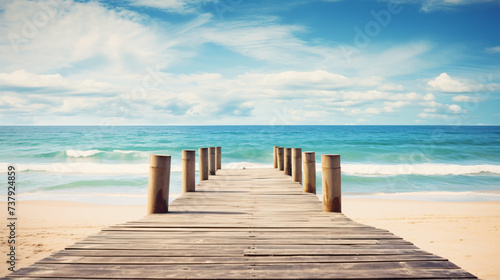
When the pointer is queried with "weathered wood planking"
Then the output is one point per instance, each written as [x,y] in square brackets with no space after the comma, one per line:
[243,224]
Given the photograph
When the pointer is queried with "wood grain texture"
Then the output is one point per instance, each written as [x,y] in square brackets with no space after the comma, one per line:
[243,224]
[159,183]
[188,170]
[203,163]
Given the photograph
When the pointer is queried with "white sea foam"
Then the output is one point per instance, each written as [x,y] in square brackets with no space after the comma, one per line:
[83,167]
[79,153]
[124,152]
[89,153]
[348,169]
[416,169]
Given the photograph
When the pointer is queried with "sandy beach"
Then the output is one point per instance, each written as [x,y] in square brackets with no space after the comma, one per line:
[467,233]
[45,227]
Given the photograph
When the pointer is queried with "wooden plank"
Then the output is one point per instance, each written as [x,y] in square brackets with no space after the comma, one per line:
[222,246]
[315,239]
[326,252]
[247,229]
[230,271]
[63,269]
[68,257]
[239,241]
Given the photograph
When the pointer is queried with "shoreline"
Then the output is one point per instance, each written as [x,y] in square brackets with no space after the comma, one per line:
[466,233]
[136,199]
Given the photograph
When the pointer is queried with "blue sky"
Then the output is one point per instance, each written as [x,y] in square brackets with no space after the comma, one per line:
[66,62]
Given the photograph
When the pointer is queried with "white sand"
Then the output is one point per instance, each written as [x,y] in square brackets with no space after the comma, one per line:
[467,233]
[44,227]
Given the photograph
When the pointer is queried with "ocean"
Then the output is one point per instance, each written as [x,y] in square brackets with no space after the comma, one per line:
[109,164]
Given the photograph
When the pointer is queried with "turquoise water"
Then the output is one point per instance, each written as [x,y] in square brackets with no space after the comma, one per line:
[109,165]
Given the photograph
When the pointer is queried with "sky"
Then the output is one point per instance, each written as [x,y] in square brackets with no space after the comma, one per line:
[250,62]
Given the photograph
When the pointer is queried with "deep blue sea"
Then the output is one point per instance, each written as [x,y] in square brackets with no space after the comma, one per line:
[109,165]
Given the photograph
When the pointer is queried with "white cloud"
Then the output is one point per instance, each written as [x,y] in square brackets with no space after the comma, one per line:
[437,5]
[400,59]
[391,87]
[315,79]
[174,6]
[461,98]
[24,79]
[493,49]
[115,42]
[412,96]
[367,111]
[465,98]
[210,94]
[390,106]
[437,110]
[80,105]
[89,48]
[109,41]
[347,103]
[445,83]
[262,39]
[455,108]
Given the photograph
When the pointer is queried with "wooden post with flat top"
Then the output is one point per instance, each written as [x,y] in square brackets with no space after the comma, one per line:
[330,165]
[275,156]
[188,170]
[309,165]
[159,183]
[211,160]
[288,161]
[203,154]
[281,160]
[218,157]
[297,165]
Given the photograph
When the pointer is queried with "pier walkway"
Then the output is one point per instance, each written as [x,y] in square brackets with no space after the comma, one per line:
[243,224]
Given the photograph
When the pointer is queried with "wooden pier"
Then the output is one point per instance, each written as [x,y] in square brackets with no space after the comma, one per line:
[243,224]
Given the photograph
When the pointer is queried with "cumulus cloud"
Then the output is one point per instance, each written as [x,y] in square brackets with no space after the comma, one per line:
[114,62]
[212,94]
[314,79]
[445,83]
[465,98]
[391,87]
[21,79]
[437,110]
[367,111]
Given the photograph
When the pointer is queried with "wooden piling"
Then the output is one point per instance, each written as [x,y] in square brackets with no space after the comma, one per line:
[288,161]
[188,170]
[203,155]
[297,165]
[275,156]
[211,160]
[218,157]
[281,160]
[159,183]
[330,165]
[309,165]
